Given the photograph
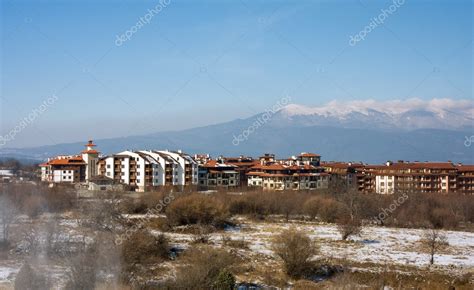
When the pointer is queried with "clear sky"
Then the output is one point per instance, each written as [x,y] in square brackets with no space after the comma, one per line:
[202,62]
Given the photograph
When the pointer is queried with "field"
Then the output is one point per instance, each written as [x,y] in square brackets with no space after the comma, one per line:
[376,250]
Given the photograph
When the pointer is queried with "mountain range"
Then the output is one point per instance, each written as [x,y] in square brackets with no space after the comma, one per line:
[368,131]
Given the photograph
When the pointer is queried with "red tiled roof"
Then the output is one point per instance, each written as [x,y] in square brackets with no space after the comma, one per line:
[215,164]
[274,166]
[90,151]
[65,161]
[465,168]
[305,154]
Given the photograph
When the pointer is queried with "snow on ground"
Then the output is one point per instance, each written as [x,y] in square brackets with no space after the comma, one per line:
[8,271]
[375,245]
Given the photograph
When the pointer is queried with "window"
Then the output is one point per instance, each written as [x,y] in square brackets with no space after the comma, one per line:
[108,173]
[138,173]
[138,180]
[108,165]
[123,166]
[138,165]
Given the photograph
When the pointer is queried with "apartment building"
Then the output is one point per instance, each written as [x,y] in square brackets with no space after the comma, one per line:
[202,159]
[142,170]
[243,165]
[465,179]
[216,173]
[71,168]
[418,176]
[296,173]
[343,175]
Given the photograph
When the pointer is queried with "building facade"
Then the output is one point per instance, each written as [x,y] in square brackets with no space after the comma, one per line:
[148,168]
[71,168]
[216,173]
[296,173]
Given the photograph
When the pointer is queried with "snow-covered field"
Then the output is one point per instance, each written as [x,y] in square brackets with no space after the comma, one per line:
[375,245]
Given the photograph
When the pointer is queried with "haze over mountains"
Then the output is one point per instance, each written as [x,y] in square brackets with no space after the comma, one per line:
[368,131]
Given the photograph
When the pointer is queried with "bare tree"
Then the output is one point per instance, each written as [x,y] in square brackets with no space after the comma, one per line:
[7,217]
[349,227]
[103,214]
[434,241]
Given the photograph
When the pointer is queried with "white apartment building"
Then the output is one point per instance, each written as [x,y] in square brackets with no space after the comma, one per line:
[148,168]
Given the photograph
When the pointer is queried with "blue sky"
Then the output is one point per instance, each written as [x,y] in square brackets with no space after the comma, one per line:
[203,62]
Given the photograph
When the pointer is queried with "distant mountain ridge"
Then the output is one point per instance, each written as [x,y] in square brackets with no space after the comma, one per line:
[366,131]
[396,115]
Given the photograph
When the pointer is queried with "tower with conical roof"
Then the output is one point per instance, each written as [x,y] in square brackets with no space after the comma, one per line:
[90,157]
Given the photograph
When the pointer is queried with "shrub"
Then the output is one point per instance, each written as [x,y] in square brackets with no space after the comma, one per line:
[59,199]
[204,267]
[33,205]
[349,227]
[330,210]
[311,207]
[83,268]
[28,279]
[295,249]
[142,247]
[197,209]
[224,281]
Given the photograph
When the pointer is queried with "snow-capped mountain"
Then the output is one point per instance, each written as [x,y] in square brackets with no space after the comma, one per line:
[405,115]
[367,131]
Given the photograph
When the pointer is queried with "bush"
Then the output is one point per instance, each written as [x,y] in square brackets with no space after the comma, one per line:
[204,268]
[330,210]
[295,249]
[59,199]
[83,268]
[142,247]
[224,281]
[197,209]
[33,205]
[349,227]
[28,279]
[144,203]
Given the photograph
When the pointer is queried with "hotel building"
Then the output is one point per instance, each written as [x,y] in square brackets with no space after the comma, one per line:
[216,173]
[149,168]
[297,173]
[71,168]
